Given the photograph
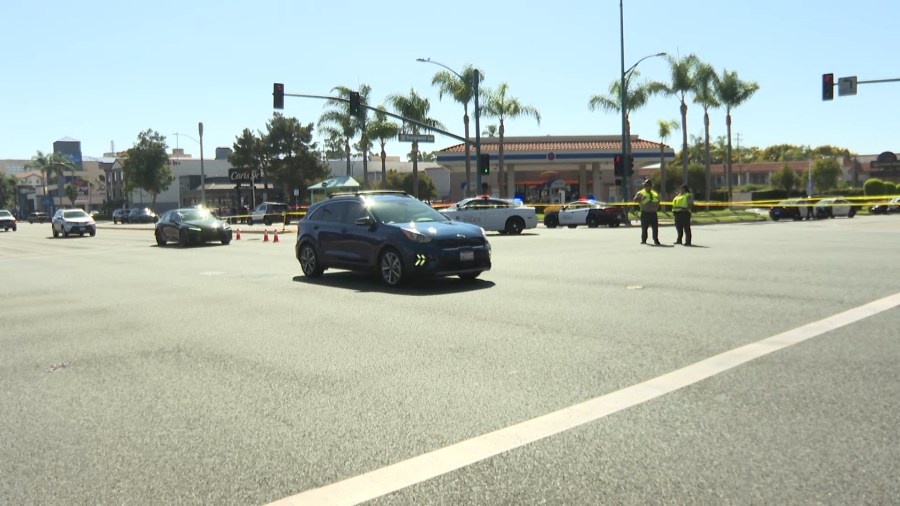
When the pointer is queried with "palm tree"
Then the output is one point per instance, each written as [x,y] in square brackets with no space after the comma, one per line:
[636,96]
[384,130]
[498,105]
[52,163]
[461,88]
[732,92]
[490,131]
[682,83]
[705,94]
[413,107]
[339,122]
[665,129]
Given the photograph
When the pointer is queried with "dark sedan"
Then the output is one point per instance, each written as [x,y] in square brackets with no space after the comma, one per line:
[191,225]
[389,233]
[890,207]
[144,215]
[38,217]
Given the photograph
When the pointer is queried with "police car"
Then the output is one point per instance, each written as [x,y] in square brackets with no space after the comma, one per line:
[592,213]
[501,215]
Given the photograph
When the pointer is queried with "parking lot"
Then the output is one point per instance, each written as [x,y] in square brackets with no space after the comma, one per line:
[584,368]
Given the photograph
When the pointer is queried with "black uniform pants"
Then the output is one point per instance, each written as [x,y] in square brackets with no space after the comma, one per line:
[649,220]
[683,226]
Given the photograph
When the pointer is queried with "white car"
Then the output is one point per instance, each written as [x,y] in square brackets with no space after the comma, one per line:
[505,216]
[831,207]
[73,221]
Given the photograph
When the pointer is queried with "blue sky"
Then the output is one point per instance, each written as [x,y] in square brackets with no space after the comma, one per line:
[103,71]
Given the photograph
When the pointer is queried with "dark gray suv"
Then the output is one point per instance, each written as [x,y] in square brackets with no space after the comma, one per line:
[391,234]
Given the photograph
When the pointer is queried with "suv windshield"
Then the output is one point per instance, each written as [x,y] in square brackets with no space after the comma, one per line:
[395,210]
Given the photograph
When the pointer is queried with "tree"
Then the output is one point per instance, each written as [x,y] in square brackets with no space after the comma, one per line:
[51,163]
[382,129]
[874,186]
[498,105]
[732,92]
[705,94]
[785,179]
[7,191]
[636,97]
[665,129]
[292,158]
[146,165]
[251,152]
[825,174]
[396,181]
[490,130]
[415,108]
[339,123]
[463,91]
[681,83]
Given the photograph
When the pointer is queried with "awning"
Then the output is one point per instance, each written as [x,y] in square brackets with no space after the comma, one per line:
[335,182]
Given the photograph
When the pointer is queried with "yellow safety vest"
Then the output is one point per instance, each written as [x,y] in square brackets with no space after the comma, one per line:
[681,202]
[647,197]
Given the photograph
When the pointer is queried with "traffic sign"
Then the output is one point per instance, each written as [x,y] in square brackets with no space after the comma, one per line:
[846,86]
[415,138]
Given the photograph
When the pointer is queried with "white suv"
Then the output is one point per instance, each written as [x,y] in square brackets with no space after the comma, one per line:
[73,221]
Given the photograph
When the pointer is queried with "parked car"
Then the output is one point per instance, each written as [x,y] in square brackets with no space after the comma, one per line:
[7,220]
[592,213]
[121,215]
[392,234]
[504,216]
[889,207]
[191,225]
[142,215]
[792,209]
[38,217]
[73,221]
[831,207]
[269,213]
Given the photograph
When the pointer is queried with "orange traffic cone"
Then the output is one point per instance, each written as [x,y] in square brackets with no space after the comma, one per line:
[275,238]
[237,237]
[266,236]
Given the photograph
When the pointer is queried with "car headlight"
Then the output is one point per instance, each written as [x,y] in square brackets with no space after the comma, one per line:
[416,237]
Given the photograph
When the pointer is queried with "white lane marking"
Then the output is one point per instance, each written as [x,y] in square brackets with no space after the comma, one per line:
[397,476]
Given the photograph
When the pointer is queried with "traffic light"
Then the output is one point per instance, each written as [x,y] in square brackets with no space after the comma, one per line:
[278,96]
[618,168]
[354,103]
[827,86]
[484,164]
[630,168]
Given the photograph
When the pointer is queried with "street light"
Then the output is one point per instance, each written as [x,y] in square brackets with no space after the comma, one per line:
[475,82]
[626,138]
[202,171]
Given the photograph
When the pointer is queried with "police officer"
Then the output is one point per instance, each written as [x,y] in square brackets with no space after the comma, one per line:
[649,202]
[682,206]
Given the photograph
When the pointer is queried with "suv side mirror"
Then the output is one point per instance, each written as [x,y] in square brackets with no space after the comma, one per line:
[366,221]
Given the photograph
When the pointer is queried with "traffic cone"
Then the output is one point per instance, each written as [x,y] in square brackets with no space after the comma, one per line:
[237,237]
[275,238]
[266,236]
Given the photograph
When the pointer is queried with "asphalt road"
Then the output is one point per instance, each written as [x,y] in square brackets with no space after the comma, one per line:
[583,369]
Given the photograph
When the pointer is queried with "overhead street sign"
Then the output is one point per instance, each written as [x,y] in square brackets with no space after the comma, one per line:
[847,86]
[415,138]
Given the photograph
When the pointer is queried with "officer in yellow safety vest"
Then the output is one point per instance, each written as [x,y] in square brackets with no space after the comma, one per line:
[649,202]
[682,206]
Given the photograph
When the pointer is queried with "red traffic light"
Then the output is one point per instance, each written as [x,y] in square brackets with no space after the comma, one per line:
[828,86]
[278,96]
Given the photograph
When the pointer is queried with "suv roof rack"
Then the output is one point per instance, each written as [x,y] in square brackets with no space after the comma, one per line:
[369,192]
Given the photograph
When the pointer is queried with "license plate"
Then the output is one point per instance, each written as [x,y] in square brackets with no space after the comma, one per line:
[466,256]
